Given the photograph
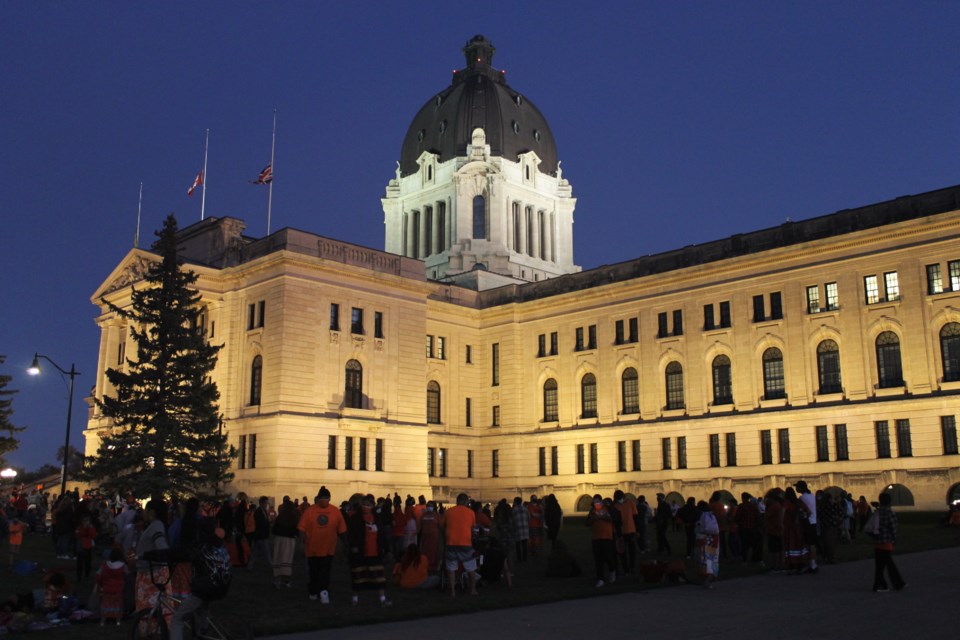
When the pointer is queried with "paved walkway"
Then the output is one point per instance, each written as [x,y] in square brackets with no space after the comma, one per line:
[837,603]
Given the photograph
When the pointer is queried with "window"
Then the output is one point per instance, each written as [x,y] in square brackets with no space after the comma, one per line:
[871,290]
[635,455]
[581,468]
[256,380]
[378,455]
[378,324]
[578,345]
[722,381]
[122,347]
[950,351]
[766,447]
[678,322]
[948,431]
[252,454]
[479,218]
[892,284]
[594,458]
[731,449]
[725,315]
[334,316]
[441,348]
[542,462]
[758,309]
[550,400]
[634,330]
[622,455]
[469,355]
[823,445]
[618,334]
[251,316]
[469,412]
[348,452]
[828,367]
[813,299]
[592,336]
[495,365]
[429,346]
[353,385]
[714,449]
[554,461]
[469,463]
[662,328]
[495,420]
[953,269]
[708,322]
[904,441]
[630,391]
[356,321]
[433,402]
[783,437]
[331,452]
[495,463]
[889,371]
[255,314]
[588,396]
[242,453]
[934,279]
[833,300]
[362,458]
[776,306]
[541,345]
[674,385]
[883,438]
[840,440]
[666,455]
[773,385]
[431,462]
[554,343]
[442,454]
[682,452]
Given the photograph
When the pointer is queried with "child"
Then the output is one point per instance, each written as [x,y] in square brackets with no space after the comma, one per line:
[55,588]
[15,529]
[86,535]
[109,579]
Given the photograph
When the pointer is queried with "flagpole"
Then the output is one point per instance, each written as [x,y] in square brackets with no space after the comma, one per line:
[273,146]
[136,236]
[203,185]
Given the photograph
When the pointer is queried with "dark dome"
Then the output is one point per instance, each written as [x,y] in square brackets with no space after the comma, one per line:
[478,97]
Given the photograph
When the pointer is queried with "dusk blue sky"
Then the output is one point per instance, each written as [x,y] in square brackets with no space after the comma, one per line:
[676,123]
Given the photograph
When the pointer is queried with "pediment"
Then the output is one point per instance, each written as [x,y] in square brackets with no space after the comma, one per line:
[131,269]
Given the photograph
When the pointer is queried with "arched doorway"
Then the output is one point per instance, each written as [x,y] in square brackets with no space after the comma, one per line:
[675,497]
[584,503]
[900,496]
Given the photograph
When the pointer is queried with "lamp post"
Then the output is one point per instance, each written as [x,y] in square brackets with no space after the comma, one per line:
[34,370]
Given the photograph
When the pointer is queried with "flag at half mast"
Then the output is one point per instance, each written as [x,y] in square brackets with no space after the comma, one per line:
[266,176]
[196,183]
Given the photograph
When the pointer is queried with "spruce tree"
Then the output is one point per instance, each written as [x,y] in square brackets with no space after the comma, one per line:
[7,429]
[166,438]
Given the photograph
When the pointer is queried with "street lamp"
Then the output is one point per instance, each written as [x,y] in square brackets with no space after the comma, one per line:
[34,370]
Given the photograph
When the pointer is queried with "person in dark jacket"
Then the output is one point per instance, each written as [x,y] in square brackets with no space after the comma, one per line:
[284,542]
[552,517]
[366,565]
[662,520]
[211,578]
[260,545]
[884,539]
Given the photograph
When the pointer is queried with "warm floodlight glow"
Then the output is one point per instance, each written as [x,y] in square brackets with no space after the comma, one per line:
[8,474]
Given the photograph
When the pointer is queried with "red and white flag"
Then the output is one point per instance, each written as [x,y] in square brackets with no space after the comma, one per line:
[196,183]
[266,176]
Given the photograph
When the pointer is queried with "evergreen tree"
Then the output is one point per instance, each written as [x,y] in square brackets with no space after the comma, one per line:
[7,429]
[166,438]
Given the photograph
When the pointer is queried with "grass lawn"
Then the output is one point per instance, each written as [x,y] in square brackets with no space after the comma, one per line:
[271,611]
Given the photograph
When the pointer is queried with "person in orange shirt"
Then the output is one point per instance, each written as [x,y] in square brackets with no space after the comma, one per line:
[601,533]
[86,536]
[15,530]
[320,527]
[459,522]
[628,528]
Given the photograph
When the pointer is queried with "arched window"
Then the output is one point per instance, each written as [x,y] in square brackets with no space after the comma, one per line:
[674,383]
[630,391]
[550,400]
[950,351]
[722,381]
[353,385]
[256,380]
[773,387]
[433,402]
[479,218]
[588,396]
[889,367]
[828,367]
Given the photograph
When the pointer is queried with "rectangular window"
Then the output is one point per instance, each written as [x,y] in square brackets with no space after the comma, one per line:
[871,290]
[442,455]
[495,365]
[251,316]
[431,461]
[934,279]
[833,300]
[554,461]
[362,458]
[948,431]
[891,284]
[378,455]
[666,454]
[242,453]
[429,346]
[594,458]
[331,452]
[635,455]
[213,328]
[622,455]
[731,449]
[904,441]
[776,306]
[708,322]
[378,324]
[813,299]
[953,270]
[261,313]
[495,422]
[348,452]
[634,333]
[441,348]
[678,322]
[122,347]
[542,462]
[469,463]
[682,452]
[662,330]
[581,459]
[724,315]
[252,456]
[823,446]
[592,337]
[840,440]
[883,438]
[714,449]
[554,343]
[783,438]
[578,345]
[766,447]
[758,310]
[541,345]
[469,358]
[356,321]
[469,410]
[495,463]
[618,335]
[334,316]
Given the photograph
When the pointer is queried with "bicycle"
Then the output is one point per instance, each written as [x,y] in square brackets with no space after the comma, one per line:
[151,623]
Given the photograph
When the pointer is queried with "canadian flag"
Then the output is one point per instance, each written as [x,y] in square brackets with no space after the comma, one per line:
[196,183]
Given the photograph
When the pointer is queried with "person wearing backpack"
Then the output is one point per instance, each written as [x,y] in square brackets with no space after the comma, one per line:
[211,578]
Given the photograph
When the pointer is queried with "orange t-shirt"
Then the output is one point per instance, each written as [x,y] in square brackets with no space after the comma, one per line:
[16,533]
[628,511]
[459,522]
[601,526]
[414,575]
[321,526]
